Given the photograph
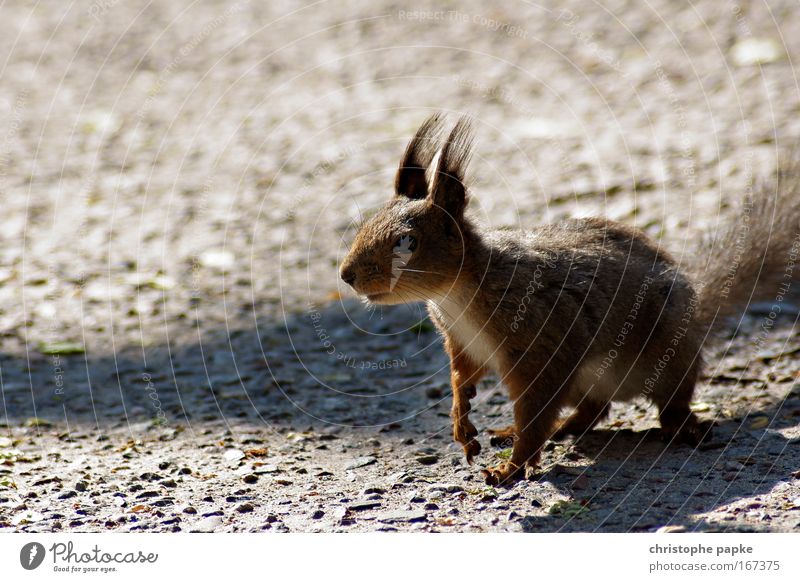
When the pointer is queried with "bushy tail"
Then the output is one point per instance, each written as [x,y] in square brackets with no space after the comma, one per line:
[755,258]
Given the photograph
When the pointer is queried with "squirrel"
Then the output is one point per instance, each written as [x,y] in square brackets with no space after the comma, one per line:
[576,314]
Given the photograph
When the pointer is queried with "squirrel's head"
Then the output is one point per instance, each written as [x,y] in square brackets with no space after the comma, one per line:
[413,248]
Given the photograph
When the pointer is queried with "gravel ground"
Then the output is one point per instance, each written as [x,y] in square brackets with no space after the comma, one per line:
[180,179]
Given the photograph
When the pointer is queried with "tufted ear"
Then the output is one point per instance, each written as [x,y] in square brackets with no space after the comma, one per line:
[410,181]
[448,190]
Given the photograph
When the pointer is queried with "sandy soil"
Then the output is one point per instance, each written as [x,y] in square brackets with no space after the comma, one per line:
[180,180]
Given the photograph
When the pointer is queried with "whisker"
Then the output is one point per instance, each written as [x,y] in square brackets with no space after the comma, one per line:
[419,271]
[360,214]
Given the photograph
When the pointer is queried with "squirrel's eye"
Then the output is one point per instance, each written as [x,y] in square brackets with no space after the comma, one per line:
[405,244]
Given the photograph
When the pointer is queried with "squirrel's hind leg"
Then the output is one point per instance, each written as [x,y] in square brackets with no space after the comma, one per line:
[502,437]
[678,422]
[585,418]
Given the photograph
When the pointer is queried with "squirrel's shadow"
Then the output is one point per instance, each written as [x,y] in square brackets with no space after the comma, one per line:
[635,481]
[309,370]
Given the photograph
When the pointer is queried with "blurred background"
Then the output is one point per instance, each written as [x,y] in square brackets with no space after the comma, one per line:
[180,179]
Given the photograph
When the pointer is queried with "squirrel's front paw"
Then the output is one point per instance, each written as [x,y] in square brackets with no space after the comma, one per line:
[464,432]
[472,449]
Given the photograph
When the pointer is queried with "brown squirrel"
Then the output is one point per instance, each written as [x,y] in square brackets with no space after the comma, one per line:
[576,314]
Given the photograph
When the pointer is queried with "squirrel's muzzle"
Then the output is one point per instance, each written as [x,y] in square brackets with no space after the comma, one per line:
[348,274]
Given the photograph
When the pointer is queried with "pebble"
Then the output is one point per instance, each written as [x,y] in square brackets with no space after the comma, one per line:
[434,392]
[245,508]
[671,529]
[508,496]
[447,488]
[217,259]
[233,455]
[403,516]
[360,462]
[427,459]
[373,490]
[207,525]
[364,506]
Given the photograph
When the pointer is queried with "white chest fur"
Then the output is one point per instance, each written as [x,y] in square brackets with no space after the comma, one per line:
[472,335]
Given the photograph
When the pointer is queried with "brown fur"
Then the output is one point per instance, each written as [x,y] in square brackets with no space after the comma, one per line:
[576,314]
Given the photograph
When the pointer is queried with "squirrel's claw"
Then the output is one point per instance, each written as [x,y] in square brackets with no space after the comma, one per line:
[472,449]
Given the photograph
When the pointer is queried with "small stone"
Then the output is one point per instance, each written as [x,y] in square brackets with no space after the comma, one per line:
[427,459]
[207,525]
[433,392]
[373,490]
[340,514]
[27,517]
[245,508]
[318,514]
[250,478]
[447,488]
[233,455]
[398,477]
[671,529]
[364,506]
[361,462]
[189,510]
[415,497]
[81,486]
[217,259]
[509,496]
[403,517]
[756,51]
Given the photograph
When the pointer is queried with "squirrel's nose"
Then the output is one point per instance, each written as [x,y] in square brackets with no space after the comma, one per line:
[348,275]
